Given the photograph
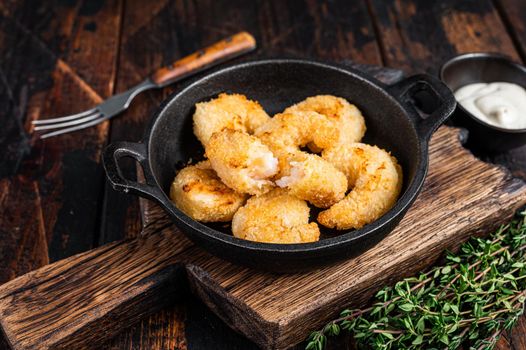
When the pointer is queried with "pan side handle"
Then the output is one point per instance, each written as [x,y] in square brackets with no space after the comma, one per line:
[137,151]
[428,101]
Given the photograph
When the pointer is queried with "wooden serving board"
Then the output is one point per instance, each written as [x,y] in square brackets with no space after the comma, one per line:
[80,301]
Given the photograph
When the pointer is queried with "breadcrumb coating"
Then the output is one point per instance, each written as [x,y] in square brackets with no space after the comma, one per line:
[227,111]
[375,178]
[319,122]
[275,217]
[314,179]
[287,132]
[242,162]
[200,194]
[250,153]
[348,124]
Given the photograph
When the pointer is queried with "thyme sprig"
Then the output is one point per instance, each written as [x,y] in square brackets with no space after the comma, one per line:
[477,294]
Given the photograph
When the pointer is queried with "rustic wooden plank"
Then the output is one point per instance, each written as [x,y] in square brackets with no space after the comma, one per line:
[23,247]
[120,283]
[199,316]
[421,35]
[297,37]
[141,52]
[514,339]
[43,64]
[91,54]
[149,41]
[334,31]
[286,44]
[38,43]
[163,330]
[76,270]
[24,243]
[155,33]
[450,165]
[513,13]
[23,236]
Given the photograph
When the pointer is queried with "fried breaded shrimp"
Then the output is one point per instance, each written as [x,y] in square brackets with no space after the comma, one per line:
[375,178]
[312,178]
[286,132]
[241,161]
[232,111]
[275,217]
[200,194]
[347,120]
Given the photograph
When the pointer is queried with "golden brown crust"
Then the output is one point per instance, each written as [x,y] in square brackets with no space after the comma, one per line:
[319,122]
[242,161]
[200,194]
[376,181]
[328,125]
[287,132]
[227,111]
[346,120]
[314,179]
[275,217]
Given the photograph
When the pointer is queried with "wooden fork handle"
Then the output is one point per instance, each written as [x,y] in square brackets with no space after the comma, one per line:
[221,51]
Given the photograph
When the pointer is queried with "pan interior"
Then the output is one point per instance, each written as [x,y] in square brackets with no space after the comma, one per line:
[277,85]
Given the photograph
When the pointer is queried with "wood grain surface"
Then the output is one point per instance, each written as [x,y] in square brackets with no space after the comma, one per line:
[61,56]
[64,78]
[79,301]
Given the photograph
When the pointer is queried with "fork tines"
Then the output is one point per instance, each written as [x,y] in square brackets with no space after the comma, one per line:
[69,123]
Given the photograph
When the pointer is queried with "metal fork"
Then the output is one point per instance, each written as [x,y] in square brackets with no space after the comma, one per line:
[217,53]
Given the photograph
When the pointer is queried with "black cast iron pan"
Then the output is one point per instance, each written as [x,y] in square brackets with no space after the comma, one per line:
[393,118]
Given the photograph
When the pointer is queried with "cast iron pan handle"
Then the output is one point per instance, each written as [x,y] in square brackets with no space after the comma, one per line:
[440,100]
[110,159]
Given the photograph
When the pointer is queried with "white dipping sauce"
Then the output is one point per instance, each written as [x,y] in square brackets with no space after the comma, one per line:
[499,104]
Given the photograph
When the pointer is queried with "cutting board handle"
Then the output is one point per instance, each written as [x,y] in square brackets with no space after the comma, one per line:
[104,291]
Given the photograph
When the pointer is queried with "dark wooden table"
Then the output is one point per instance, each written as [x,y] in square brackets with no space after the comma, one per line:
[60,57]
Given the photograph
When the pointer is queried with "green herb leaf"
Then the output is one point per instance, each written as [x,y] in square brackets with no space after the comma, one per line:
[475,295]
[406,307]
[418,340]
